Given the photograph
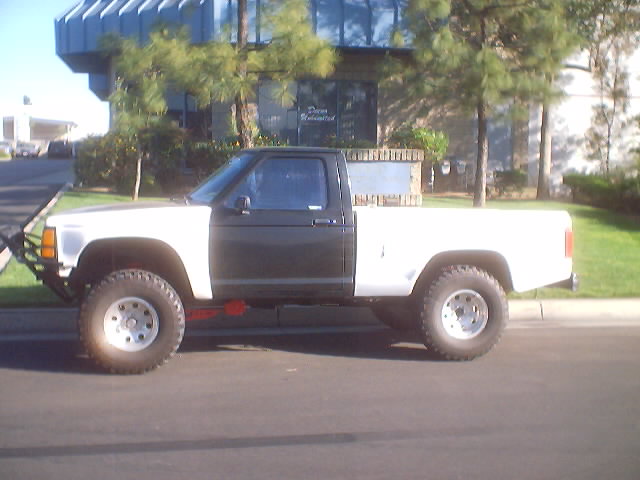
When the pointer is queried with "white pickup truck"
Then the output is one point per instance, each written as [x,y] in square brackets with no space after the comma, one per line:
[276,226]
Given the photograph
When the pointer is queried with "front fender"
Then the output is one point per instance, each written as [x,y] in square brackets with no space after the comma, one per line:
[184,229]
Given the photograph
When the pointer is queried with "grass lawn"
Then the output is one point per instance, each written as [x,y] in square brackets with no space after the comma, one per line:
[607,251]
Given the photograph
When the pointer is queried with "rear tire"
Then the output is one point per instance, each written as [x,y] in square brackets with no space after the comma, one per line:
[131,322]
[464,313]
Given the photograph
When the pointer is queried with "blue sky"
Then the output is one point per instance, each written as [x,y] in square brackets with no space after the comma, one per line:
[29,66]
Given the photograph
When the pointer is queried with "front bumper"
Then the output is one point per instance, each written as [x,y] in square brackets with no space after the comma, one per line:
[572,283]
[25,247]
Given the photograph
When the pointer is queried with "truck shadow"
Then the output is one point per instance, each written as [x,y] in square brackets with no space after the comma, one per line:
[380,344]
[45,356]
[66,355]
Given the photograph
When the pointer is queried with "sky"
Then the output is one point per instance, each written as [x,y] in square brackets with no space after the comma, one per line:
[29,66]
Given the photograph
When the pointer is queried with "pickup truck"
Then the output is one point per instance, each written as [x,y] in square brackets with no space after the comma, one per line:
[276,226]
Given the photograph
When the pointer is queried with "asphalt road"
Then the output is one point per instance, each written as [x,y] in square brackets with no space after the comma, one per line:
[26,184]
[561,403]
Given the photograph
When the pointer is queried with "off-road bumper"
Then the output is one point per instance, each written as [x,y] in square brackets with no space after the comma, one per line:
[25,248]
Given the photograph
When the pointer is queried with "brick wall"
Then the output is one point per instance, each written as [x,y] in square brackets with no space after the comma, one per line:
[390,155]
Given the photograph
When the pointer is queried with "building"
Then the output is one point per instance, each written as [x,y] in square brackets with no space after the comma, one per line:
[350,105]
[27,128]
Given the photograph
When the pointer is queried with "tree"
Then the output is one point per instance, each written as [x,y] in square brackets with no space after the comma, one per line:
[139,96]
[560,44]
[607,123]
[609,30]
[478,55]
[223,71]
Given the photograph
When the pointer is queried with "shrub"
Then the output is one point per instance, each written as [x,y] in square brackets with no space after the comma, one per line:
[616,193]
[206,157]
[101,160]
[333,142]
[110,161]
[509,181]
[263,140]
[433,143]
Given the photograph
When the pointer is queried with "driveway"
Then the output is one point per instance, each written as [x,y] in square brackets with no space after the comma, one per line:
[27,184]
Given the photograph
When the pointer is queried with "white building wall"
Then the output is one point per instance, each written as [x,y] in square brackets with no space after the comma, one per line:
[571,118]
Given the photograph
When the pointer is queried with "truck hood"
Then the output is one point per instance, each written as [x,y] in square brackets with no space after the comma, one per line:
[144,219]
[117,207]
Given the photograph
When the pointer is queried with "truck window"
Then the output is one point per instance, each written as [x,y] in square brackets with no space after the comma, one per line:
[208,190]
[284,184]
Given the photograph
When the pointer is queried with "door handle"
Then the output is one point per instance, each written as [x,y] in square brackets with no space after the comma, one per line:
[323,222]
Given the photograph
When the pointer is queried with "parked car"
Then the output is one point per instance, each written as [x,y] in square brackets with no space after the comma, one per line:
[6,149]
[26,149]
[59,149]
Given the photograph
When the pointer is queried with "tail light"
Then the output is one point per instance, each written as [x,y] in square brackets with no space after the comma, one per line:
[568,243]
[48,244]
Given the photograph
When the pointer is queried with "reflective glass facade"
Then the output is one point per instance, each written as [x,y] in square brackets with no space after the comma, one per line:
[324,110]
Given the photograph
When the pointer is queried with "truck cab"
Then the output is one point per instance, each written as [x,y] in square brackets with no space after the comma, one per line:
[283,228]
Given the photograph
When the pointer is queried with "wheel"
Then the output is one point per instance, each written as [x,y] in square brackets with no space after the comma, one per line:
[464,313]
[131,322]
[398,315]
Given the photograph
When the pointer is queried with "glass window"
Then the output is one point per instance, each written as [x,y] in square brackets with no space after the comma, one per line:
[336,110]
[208,190]
[318,105]
[358,111]
[275,119]
[284,184]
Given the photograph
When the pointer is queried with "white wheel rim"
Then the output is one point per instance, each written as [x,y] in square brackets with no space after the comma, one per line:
[131,324]
[464,314]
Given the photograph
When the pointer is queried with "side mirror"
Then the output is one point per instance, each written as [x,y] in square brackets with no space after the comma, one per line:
[243,205]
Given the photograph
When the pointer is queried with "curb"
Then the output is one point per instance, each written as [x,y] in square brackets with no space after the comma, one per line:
[599,312]
[524,314]
[63,320]
[5,253]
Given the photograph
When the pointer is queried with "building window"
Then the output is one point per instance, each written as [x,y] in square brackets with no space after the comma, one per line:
[274,119]
[325,110]
[357,111]
[317,112]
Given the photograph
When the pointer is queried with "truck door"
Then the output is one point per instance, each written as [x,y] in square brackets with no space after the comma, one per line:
[279,233]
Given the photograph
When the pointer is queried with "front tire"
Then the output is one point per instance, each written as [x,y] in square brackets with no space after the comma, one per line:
[464,313]
[131,322]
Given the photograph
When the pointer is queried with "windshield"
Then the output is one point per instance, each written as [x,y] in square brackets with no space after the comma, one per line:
[208,190]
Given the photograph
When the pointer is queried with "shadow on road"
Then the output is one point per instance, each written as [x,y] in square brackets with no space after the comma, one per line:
[384,344]
[67,356]
[45,356]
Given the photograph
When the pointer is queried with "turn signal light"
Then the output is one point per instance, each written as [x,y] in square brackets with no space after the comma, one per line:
[48,243]
[568,244]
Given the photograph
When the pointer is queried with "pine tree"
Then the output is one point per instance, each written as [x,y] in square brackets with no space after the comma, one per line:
[139,96]
[477,55]
[221,71]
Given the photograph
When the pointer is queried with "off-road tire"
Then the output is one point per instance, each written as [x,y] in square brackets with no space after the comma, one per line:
[117,352]
[464,313]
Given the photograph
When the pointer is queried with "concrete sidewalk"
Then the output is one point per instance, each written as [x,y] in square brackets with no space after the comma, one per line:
[523,314]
